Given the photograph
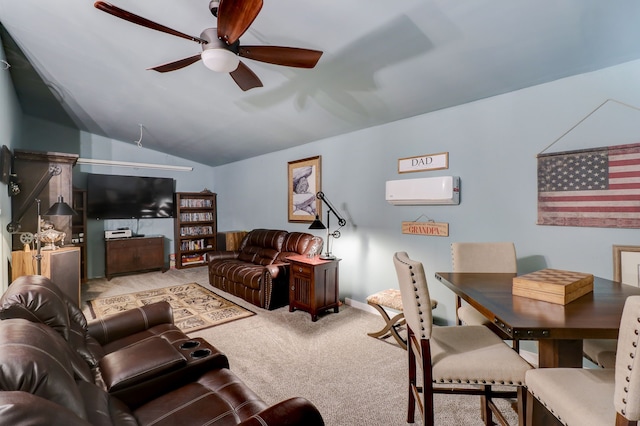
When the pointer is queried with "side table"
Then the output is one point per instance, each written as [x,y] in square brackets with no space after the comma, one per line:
[62,266]
[313,285]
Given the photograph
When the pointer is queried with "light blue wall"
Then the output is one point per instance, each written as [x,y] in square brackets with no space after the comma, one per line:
[492,146]
[41,135]
[10,129]
[98,147]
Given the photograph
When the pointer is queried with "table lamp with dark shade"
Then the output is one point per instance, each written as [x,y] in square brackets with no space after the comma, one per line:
[317,224]
[59,208]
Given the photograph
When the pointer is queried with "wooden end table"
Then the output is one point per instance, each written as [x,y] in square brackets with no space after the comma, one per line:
[313,285]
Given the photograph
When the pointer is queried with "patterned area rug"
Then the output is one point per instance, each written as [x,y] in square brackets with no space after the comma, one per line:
[194,307]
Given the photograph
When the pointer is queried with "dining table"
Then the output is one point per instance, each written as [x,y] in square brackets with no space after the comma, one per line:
[558,329]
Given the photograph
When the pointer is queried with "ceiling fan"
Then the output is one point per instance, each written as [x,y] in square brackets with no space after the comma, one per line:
[221,47]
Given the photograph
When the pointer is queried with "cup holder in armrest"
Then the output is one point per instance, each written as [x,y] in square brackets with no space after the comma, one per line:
[200,353]
[190,344]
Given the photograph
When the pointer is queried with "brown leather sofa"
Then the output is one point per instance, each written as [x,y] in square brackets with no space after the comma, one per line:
[258,271]
[43,381]
[115,349]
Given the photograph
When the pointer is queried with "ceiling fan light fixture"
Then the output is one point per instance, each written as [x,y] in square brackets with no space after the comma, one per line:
[220,59]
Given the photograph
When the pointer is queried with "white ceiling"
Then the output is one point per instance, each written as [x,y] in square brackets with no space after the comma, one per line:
[383,61]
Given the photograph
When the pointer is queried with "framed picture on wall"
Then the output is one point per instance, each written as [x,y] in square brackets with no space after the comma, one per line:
[303,185]
[626,264]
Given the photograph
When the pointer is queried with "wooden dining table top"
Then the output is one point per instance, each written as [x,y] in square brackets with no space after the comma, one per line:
[594,315]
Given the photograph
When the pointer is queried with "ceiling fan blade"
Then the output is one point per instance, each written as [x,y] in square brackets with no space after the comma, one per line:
[234,18]
[245,78]
[288,56]
[176,65]
[128,16]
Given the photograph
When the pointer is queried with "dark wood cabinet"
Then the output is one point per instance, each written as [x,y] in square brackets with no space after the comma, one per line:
[195,228]
[79,228]
[137,254]
[44,176]
[313,285]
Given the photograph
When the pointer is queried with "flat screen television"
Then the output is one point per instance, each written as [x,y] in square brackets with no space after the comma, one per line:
[129,197]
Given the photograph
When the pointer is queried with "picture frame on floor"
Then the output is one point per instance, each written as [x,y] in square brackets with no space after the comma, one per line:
[626,264]
[303,184]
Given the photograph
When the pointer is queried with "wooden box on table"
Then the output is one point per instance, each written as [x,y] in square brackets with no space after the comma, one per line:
[553,285]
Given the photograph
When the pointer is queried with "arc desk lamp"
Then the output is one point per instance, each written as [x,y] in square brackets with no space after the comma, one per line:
[60,208]
[317,224]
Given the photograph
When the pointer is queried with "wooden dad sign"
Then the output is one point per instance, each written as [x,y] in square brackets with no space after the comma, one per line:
[433,229]
[424,162]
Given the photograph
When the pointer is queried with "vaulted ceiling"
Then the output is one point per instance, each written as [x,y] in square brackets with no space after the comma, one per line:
[383,61]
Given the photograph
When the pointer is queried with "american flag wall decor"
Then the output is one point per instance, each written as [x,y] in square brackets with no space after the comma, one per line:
[597,187]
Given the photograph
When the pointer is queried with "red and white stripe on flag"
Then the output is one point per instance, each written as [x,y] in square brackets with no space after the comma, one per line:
[597,187]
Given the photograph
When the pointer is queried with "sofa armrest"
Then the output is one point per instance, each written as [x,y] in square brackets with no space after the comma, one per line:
[276,269]
[139,362]
[222,255]
[18,407]
[291,412]
[126,323]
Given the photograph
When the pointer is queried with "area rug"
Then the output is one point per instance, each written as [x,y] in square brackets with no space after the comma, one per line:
[194,307]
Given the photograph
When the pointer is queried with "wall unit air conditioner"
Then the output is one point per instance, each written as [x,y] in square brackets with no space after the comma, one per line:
[433,191]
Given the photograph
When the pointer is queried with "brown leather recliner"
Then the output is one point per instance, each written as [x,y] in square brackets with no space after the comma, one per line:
[43,381]
[134,354]
[258,271]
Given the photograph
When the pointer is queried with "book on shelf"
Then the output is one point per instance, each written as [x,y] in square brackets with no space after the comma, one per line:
[196,202]
[199,244]
[196,217]
[186,231]
[192,259]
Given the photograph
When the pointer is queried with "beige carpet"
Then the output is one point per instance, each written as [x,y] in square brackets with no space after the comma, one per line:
[194,307]
[352,378]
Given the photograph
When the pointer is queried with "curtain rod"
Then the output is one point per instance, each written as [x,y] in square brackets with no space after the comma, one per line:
[94,162]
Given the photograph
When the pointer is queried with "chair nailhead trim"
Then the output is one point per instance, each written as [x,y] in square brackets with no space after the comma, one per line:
[630,368]
[478,382]
[548,408]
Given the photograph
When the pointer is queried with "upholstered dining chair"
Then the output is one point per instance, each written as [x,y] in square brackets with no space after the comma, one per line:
[480,257]
[601,351]
[592,396]
[461,360]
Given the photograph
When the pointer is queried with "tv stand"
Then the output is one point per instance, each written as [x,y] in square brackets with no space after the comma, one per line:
[134,254]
